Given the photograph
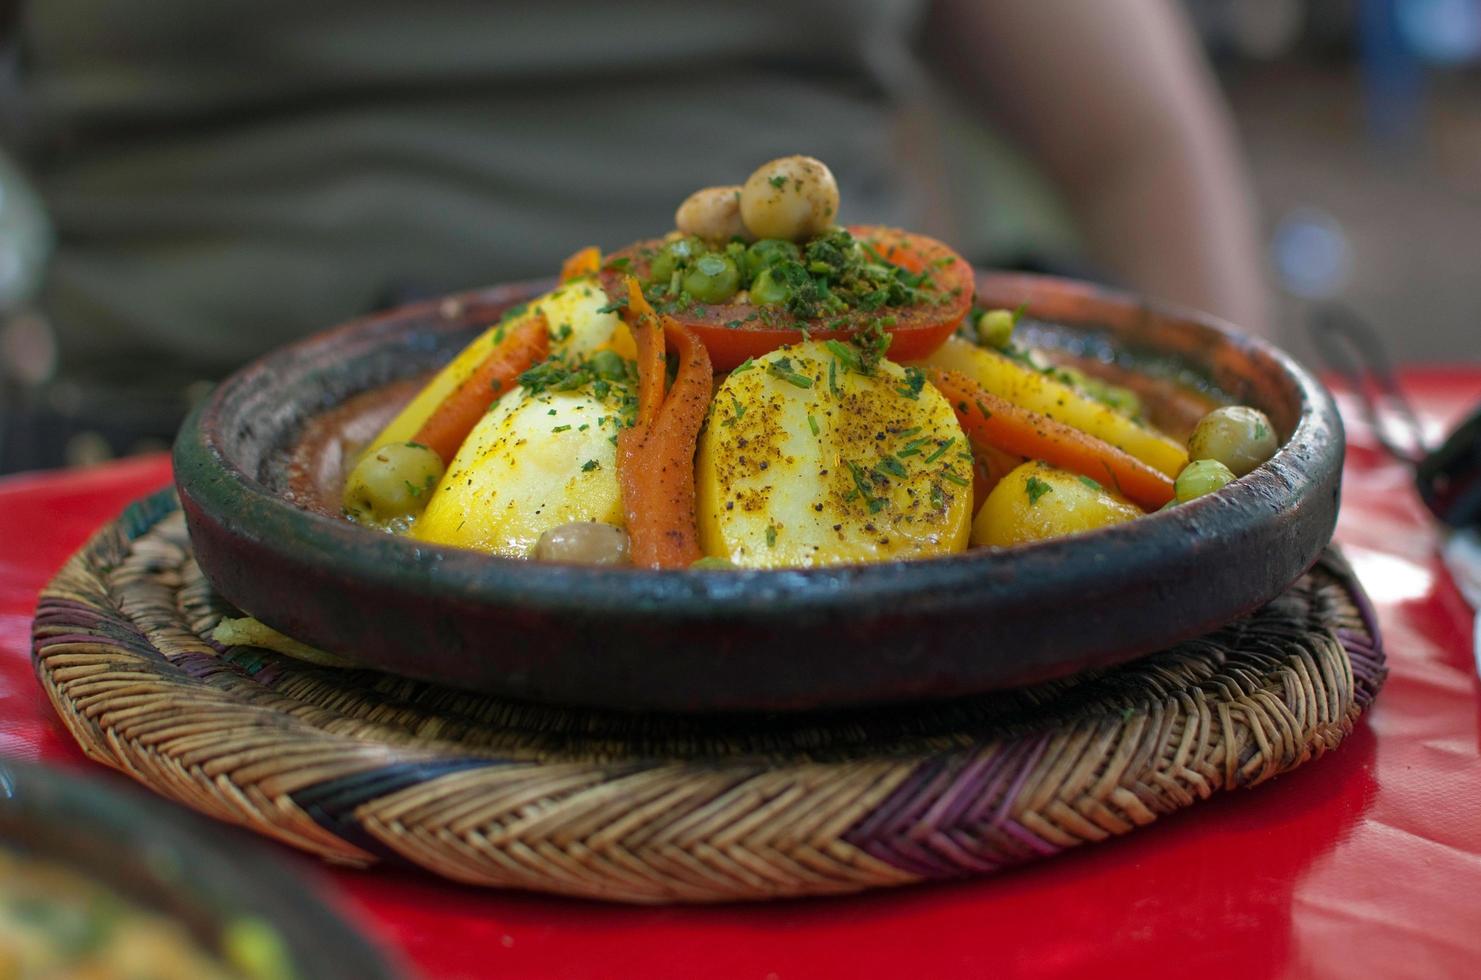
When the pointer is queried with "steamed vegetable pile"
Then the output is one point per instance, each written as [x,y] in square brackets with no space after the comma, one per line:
[765,388]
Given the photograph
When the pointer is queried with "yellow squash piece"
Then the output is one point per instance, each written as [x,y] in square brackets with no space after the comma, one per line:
[531,463]
[1036,391]
[1038,501]
[805,462]
[577,328]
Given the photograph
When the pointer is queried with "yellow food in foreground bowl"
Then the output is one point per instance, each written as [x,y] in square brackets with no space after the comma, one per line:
[532,463]
[1040,393]
[1038,501]
[807,461]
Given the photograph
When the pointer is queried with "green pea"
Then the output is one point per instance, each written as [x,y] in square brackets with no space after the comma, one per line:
[712,278]
[766,291]
[995,328]
[677,254]
[767,253]
[1200,477]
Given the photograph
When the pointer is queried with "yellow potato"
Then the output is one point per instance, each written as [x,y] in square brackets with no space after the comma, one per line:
[1037,501]
[804,462]
[531,464]
[1040,393]
[576,328]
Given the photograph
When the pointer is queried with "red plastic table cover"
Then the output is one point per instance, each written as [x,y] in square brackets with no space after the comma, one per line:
[1364,864]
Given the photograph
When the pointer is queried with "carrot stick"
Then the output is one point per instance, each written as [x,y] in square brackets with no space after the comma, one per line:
[648,335]
[583,263]
[451,421]
[997,422]
[655,458]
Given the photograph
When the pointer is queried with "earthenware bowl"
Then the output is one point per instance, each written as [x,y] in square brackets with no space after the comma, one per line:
[168,861]
[764,640]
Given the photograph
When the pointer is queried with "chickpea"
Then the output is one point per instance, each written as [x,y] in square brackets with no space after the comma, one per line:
[1238,436]
[712,213]
[791,198]
[392,483]
[583,543]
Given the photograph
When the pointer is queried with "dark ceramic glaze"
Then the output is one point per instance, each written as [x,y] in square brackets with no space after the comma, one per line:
[779,640]
[167,860]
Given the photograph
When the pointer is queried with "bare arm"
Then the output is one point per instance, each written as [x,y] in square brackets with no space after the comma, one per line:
[1114,100]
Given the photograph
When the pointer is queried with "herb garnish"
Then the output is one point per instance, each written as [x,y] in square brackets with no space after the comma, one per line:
[1036,488]
[782,368]
[941,450]
[915,382]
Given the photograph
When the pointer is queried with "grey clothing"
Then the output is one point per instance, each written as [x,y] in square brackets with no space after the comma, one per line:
[224,176]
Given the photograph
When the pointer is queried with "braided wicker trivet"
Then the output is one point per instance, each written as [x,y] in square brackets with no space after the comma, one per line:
[358,766]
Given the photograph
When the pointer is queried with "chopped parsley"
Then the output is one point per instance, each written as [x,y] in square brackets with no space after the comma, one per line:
[812,424]
[915,382]
[1091,483]
[771,535]
[941,450]
[876,504]
[893,467]
[590,464]
[1036,488]
[782,368]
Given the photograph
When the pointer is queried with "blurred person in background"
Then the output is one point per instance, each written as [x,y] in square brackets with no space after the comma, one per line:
[219,178]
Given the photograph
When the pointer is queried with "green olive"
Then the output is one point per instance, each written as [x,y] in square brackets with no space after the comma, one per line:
[1238,436]
[766,291]
[767,253]
[392,483]
[995,328]
[712,278]
[1200,477]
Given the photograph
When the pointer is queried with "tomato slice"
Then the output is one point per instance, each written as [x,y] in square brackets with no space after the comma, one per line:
[732,332]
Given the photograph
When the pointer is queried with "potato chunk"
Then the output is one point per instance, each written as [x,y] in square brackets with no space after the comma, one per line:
[806,462]
[532,463]
[1038,501]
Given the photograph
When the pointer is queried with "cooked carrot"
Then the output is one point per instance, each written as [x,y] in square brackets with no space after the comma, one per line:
[655,458]
[583,263]
[997,422]
[450,423]
[647,334]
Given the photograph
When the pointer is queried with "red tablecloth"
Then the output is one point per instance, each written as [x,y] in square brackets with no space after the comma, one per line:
[1365,864]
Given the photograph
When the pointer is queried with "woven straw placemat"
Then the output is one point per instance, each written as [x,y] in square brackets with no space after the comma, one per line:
[359,767]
